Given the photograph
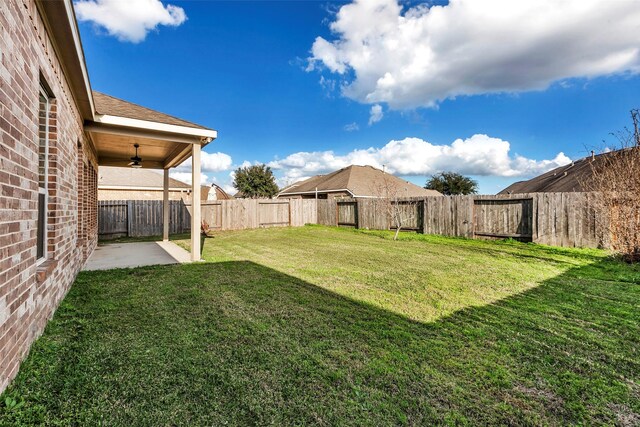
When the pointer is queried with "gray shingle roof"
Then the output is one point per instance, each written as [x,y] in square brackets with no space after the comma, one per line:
[361,181]
[568,178]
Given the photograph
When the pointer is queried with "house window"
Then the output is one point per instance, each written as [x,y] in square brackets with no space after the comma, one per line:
[43,171]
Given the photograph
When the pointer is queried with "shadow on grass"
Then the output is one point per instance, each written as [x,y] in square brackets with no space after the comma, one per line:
[237,343]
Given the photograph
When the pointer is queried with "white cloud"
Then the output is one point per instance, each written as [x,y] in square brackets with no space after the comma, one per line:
[478,155]
[186,177]
[129,20]
[375,114]
[328,85]
[229,189]
[215,162]
[421,55]
[351,127]
[209,162]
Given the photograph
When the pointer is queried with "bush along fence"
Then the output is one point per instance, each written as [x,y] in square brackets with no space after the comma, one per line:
[557,219]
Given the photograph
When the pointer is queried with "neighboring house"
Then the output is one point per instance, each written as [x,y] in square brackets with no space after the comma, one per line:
[138,184]
[354,181]
[115,183]
[573,177]
[55,133]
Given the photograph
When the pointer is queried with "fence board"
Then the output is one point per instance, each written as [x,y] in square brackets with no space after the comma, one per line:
[346,213]
[500,218]
[274,213]
[138,218]
[327,212]
[373,214]
[112,217]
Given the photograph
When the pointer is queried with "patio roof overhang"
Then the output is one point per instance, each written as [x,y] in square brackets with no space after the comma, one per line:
[162,146]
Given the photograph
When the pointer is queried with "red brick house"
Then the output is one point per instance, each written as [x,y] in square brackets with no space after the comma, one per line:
[55,132]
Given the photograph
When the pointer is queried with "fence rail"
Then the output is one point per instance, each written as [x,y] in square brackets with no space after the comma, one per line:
[557,219]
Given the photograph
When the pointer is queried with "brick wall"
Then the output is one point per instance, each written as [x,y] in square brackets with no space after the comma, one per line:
[30,293]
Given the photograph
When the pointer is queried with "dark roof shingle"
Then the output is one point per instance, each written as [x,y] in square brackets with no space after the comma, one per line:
[569,178]
[109,105]
[361,181]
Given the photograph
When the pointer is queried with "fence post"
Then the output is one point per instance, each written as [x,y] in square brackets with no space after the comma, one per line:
[356,214]
[129,216]
[534,217]
[423,206]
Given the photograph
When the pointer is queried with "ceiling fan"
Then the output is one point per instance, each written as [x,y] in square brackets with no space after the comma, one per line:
[136,161]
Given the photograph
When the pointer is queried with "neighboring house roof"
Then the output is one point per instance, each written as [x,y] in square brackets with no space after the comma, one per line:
[109,105]
[360,181]
[132,179]
[219,193]
[568,178]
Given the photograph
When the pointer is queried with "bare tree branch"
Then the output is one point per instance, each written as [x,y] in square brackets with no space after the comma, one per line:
[399,208]
[616,176]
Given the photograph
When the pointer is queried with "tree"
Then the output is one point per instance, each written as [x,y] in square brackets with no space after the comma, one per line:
[255,181]
[615,175]
[450,183]
[402,212]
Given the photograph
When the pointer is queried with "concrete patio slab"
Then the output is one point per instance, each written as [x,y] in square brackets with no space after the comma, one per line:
[128,255]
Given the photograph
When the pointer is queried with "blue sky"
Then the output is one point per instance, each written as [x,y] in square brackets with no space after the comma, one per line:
[259,74]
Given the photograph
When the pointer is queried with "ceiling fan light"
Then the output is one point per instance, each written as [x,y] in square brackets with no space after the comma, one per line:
[136,161]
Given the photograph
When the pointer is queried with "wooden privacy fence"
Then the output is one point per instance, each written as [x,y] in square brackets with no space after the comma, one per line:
[557,219]
[256,213]
[139,218]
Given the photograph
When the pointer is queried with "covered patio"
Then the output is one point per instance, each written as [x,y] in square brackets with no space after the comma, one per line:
[129,135]
[136,254]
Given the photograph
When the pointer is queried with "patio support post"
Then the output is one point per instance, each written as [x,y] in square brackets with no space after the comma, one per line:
[165,206]
[195,203]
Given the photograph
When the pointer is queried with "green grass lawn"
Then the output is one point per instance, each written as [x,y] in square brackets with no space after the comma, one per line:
[336,327]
